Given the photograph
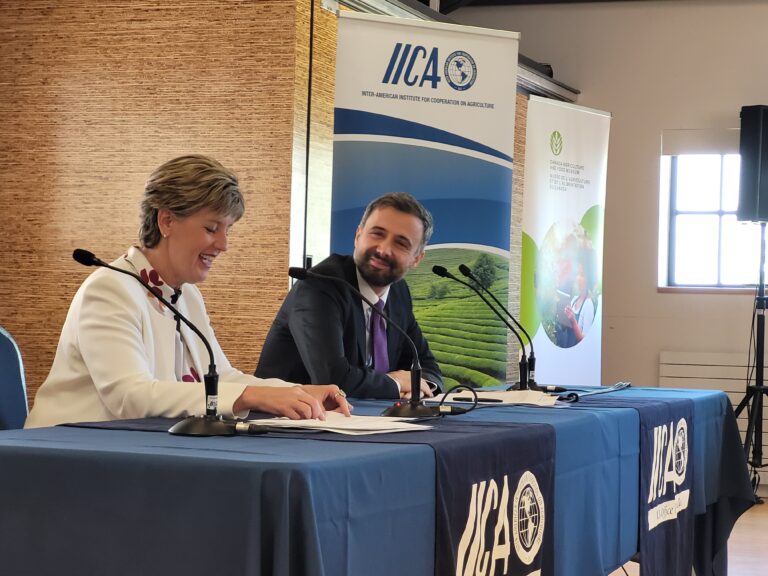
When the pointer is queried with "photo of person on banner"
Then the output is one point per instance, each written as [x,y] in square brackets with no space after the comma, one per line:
[567,284]
[580,312]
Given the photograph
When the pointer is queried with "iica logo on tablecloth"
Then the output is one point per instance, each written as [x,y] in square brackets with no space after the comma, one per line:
[522,523]
[528,518]
[417,65]
[670,464]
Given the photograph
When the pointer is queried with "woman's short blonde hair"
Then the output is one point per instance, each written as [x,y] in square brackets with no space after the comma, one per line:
[184,186]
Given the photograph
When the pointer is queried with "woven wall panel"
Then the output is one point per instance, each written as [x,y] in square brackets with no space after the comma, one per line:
[93,97]
[516,231]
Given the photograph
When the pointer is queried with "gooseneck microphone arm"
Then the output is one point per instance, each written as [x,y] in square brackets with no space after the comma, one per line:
[88,259]
[466,271]
[443,273]
[412,409]
[523,365]
[210,424]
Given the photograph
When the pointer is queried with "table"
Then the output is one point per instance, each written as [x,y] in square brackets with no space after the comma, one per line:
[93,501]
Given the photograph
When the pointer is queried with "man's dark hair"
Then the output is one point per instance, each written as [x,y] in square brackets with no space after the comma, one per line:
[403,202]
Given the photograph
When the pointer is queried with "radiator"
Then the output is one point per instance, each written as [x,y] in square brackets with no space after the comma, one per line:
[714,371]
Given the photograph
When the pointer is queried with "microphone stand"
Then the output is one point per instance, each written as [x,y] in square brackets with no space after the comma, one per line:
[209,424]
[413,408]
[466,271]
[523,365]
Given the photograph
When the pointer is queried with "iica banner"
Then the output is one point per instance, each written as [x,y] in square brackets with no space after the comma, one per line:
[561,279]
[429,108]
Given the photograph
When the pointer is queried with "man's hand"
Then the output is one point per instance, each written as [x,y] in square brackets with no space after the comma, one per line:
[403,378]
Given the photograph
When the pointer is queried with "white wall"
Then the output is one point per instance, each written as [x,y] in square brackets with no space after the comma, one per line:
[654,65]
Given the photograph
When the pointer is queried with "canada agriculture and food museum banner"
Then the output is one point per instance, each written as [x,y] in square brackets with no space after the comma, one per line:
[561,296]
[429,108]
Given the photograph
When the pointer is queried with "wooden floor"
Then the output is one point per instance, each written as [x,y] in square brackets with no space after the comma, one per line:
[747,547]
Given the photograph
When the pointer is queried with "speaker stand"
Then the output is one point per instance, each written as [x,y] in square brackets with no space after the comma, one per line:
[753,399]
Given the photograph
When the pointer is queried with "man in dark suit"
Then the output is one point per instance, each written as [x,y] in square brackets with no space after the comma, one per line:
[323,333]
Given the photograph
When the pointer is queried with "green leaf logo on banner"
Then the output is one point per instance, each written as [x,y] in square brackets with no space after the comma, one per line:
[556,143]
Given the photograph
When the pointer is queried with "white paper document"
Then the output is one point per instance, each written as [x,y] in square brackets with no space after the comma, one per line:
[497,398]
[337,422]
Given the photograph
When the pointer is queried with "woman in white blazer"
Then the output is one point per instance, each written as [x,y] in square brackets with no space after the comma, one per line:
[122,354]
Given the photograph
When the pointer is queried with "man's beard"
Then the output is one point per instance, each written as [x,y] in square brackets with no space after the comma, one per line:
[374,276]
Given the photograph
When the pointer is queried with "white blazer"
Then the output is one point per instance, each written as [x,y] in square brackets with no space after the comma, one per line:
[115,358]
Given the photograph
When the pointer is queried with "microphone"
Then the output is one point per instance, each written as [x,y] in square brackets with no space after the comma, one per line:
[466,271]
[414,408]
[210,424]
[443,273]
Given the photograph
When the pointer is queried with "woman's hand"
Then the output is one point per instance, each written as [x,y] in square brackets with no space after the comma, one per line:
[331,397]
[571,315]
[295,402]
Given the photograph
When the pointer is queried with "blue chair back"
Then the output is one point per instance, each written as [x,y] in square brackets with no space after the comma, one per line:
[13,390]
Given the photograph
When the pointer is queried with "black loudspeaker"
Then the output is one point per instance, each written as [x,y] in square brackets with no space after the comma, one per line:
[753,147]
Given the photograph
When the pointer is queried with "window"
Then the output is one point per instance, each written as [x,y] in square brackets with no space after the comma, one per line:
[702,243]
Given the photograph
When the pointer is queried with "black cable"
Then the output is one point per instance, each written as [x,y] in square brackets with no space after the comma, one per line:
[751,367]
[756,486]
[308,136]
[455,410]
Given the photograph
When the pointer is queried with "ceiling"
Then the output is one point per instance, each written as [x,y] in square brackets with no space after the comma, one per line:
[448,6]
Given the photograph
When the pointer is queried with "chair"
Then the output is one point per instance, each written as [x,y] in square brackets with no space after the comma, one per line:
[13,390]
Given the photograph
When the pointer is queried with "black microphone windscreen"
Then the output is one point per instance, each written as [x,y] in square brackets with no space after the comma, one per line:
[465,270]
[297,273]
[440,271]
[84,257]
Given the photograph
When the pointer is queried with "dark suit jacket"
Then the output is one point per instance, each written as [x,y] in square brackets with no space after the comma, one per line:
[318,336]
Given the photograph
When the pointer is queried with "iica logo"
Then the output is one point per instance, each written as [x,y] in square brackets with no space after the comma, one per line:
[670,458]
[667,496]
[460,70]
[528,518]
[556,143]
[418,65]
[521,523]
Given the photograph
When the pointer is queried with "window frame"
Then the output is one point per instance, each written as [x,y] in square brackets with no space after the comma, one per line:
[669,228]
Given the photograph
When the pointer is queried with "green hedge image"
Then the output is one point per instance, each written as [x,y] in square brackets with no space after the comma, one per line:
[492,333]
[456,321]
[488,354]
[470,348]
[460,321]
[465,311]
[429,328]
[468,305]
[468,340]
[450,383]
[473,362]
[469,377]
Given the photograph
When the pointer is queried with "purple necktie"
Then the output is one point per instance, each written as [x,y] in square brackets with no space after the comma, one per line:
[379,340]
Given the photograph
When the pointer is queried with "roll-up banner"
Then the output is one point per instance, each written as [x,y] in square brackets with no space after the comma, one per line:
[561,299]
[429,108]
